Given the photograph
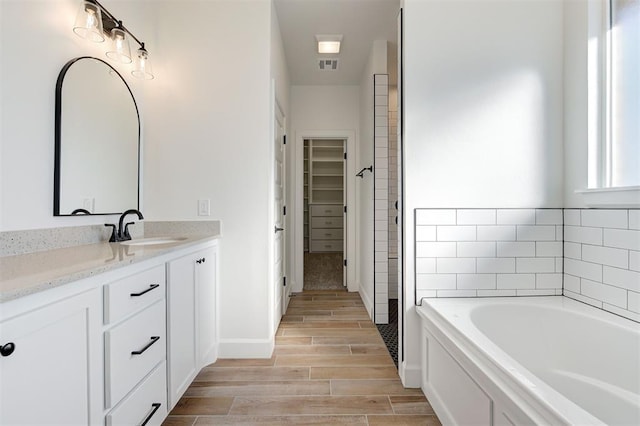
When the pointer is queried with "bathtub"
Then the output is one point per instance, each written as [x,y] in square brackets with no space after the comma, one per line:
[529,360]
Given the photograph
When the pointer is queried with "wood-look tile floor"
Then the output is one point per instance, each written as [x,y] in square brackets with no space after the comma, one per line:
[329,366]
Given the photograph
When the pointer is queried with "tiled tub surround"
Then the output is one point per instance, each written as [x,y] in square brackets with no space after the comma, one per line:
[488,252]
[602,259]
[28,273]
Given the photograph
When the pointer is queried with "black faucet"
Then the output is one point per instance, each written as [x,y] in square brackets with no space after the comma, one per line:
[122,234]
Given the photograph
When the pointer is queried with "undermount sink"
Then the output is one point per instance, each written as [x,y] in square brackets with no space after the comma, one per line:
[153,241]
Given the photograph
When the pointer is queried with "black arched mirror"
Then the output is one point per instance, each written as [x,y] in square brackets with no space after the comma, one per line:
[97,141]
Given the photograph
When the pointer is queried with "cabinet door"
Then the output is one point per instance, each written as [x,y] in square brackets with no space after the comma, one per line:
[206,308]
[52,376]
[181,321]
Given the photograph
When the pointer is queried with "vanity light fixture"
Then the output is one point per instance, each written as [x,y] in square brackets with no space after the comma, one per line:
[88,23]
[120,50]
[94,21]
[329,43]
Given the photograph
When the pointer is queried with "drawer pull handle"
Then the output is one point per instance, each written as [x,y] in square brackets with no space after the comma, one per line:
[151,287]
[7,349]
[327,235]
[154,408]
[327,246]
[328,223]
[327,211]
[141,351]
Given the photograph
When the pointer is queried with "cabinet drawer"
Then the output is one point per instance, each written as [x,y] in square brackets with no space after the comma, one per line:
[325,245]
[133,349]
[142,404]
[326,210]
[130,294]
[327,234]
[326,222]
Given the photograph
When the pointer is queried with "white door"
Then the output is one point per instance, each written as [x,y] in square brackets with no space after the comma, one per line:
[281,290]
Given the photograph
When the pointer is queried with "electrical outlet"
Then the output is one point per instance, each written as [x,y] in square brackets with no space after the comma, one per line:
[204,207]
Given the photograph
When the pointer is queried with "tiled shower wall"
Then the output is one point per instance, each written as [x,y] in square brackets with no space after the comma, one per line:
[488,252]
[393,192]
[381,198]
[523,252]
[602,259]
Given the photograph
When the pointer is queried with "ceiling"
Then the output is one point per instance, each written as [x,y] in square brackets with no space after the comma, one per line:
[361,22]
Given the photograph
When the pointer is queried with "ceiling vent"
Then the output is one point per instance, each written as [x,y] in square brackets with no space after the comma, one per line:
[328,64]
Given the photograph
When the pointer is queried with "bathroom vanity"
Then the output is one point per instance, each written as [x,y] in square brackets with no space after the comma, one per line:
[106,333]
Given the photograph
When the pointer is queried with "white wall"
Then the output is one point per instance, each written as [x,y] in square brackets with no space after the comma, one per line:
[209,137]
[482,115]
[376,64]
[332,111]
[575,101]
[37,41]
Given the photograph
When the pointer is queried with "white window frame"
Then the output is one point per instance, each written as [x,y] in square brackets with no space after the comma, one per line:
[600,192]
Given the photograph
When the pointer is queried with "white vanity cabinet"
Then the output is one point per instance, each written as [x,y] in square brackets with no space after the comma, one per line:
[136,348]
[118,347]
[55,366]
[191,318]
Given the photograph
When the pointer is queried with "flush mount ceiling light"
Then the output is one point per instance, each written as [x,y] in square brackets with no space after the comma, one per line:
[94,22]
[329,43]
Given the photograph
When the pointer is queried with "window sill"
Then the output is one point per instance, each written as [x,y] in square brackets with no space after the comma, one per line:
[622,197]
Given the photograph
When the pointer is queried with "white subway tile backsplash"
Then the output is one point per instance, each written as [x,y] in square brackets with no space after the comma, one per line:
[436,281]
[571,283]
[572,217]
[578,268]
[457,293]
[550,248]
[496,265]
[476,249]
[548,281]
[578,234]
[496,293]
[601,218]
[536,233]
[549,217]
[536,292]
[634,219]
[516,217]
[436,217]
[516,249]
[605,255]
[621,278]
[476,281]
[622,312]
[425,233]
[627,239]
[535,265]
[436,249]
[422,294]
[584,299]
[591,255]
[516,281]
[496,233]
[456,265]
[476,217]
[456,233]
[426,265]
[608,294]
[634,260]
[633,302]
[573,250]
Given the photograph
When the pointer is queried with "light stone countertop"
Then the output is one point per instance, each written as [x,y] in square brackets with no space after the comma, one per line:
[30,273]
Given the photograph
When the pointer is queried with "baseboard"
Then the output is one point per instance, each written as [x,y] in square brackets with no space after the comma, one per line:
[368,303]
[411,375]
[245,348]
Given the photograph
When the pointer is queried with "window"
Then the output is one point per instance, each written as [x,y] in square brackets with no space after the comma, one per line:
[614,94]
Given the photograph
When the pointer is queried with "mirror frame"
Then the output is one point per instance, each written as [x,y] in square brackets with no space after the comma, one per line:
[58,140]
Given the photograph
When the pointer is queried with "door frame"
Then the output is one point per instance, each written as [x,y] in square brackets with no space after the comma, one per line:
[297,254]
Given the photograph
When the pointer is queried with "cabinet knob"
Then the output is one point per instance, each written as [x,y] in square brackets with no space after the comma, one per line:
[7,349]
[201,260]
